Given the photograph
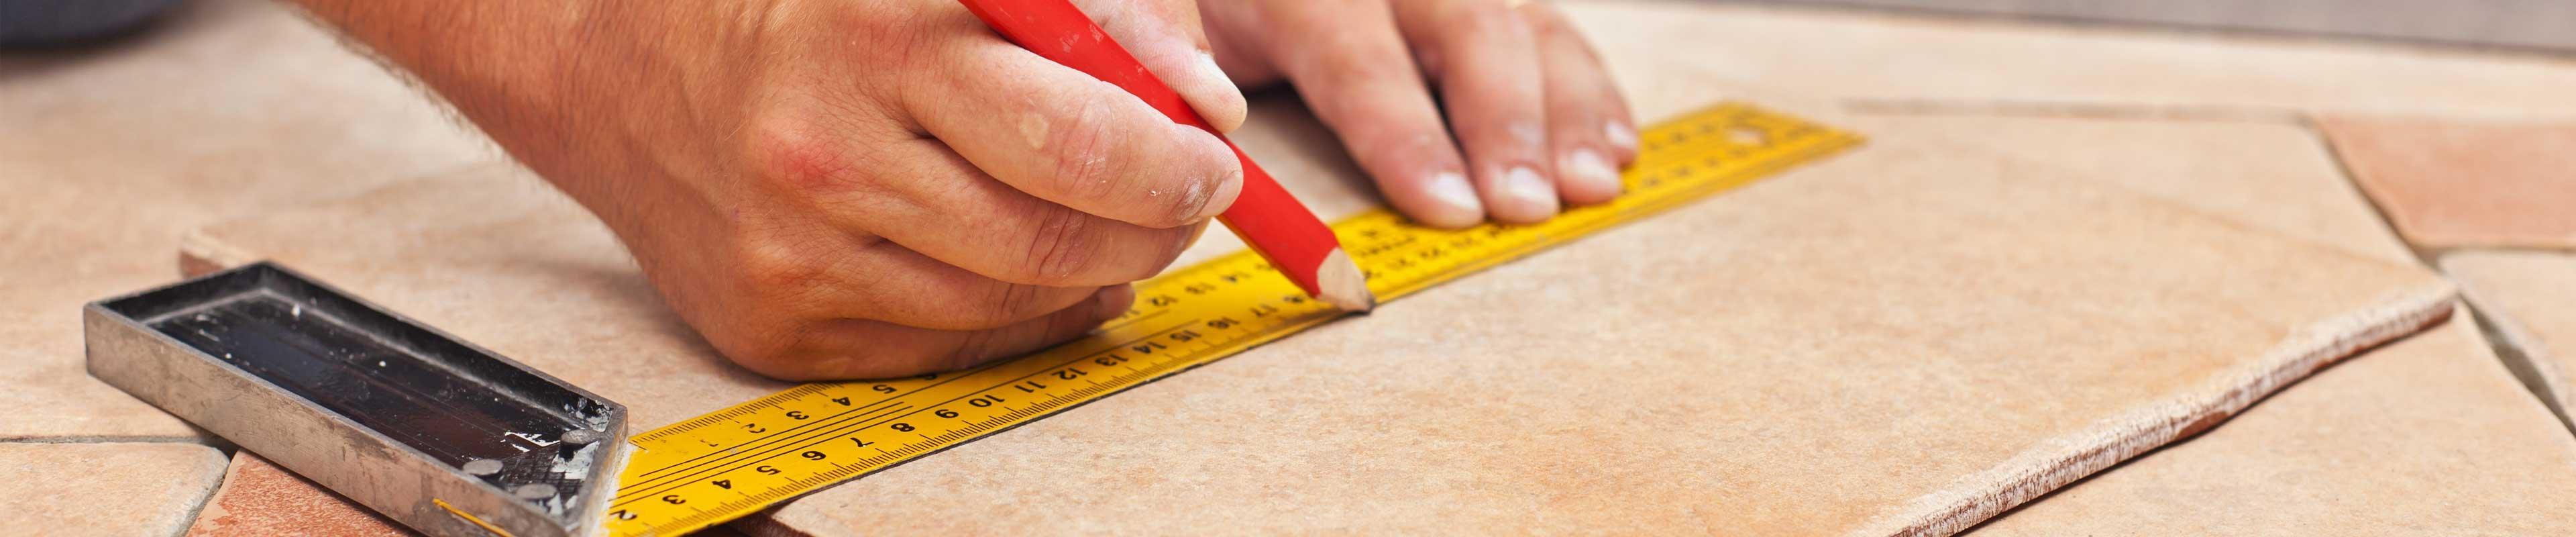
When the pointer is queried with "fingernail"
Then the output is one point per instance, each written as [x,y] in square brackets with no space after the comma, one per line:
[1620,134]
[1586,167]
[1227,188]
[1451,188]
[1209,68]
[1229,114]
[1532,191]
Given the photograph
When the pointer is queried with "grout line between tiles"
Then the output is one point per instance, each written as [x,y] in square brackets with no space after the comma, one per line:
[2518,361]
[2514,359]
[2343,168]
[223,476]
[2531,368]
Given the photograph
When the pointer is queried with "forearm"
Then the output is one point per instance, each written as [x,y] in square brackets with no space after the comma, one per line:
[489,59]
[555,83]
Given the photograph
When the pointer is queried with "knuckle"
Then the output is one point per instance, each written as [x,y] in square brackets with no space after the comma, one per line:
[970,350]
[776,268]
[767,352]
[1080,145]
[1183,206]
[1006,305]
[1059,249]
[791,152]
[1210,165]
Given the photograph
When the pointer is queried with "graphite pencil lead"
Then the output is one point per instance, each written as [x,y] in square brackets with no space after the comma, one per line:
[1342,284]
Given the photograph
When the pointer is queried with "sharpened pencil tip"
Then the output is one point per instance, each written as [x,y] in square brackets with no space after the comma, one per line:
[1342,284]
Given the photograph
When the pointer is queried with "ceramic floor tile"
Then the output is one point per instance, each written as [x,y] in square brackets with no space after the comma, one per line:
[2459,183]
[2530,299]
[2509,23]
[1895,341]
[110,153]
[106,488]
[258,498]
[2402,418]
[1844,54]
[1959,284]
[2427,436]
[2277,176]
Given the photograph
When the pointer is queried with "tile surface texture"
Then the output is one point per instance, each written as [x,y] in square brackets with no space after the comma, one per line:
[258,498]
[1899,389]
[110,153]
[2272,175]
[120,489]
[2457,183]
[1842,54]
[2530,299]
[276,115]
[2427,436]
[2434,416]
[2520,23]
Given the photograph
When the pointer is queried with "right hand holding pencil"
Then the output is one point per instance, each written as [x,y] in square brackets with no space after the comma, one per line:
[849,189]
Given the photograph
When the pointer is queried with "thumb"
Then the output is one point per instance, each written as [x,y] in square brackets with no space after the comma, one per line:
[1166,36]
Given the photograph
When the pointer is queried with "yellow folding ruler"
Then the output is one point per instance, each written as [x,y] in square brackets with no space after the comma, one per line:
[731,463]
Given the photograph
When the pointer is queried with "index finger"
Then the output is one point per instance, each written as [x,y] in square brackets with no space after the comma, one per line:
[1066,137]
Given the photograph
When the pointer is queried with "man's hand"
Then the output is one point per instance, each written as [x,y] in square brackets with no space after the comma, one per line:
[877,188]
[1534,115]
[847,188]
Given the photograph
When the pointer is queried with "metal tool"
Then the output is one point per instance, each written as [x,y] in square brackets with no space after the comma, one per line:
[754,455]
[430,431]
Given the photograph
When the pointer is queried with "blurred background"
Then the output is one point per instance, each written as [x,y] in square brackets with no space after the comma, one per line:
[2530,24]
[2544,25]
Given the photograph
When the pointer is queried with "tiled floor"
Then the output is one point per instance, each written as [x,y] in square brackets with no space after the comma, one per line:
[2542,24]
[2428,435]
[259,499]
[109,154]
[2530,301]
[2450,183]
[106,488]
[1876,394]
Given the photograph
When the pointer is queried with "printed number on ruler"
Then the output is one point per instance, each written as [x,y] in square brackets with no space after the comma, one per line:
[720,466]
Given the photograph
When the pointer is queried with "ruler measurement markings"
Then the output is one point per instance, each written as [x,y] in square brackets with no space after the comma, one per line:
[737,449]
[644,492]
[734,452]
[897,394]
[656,486]
[1226,305]
[648,439]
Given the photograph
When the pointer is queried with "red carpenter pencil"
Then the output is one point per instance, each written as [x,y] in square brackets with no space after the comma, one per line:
[1265,215]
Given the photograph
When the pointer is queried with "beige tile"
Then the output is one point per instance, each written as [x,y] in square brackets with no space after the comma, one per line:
[258,498]
[2510,23]
[2530,299]
[2273,175]
[2430,435]
[105,489]
[1833,54]
[1954,400]
[2427,436]
[111,153]
[2459,183]
[1897,339]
